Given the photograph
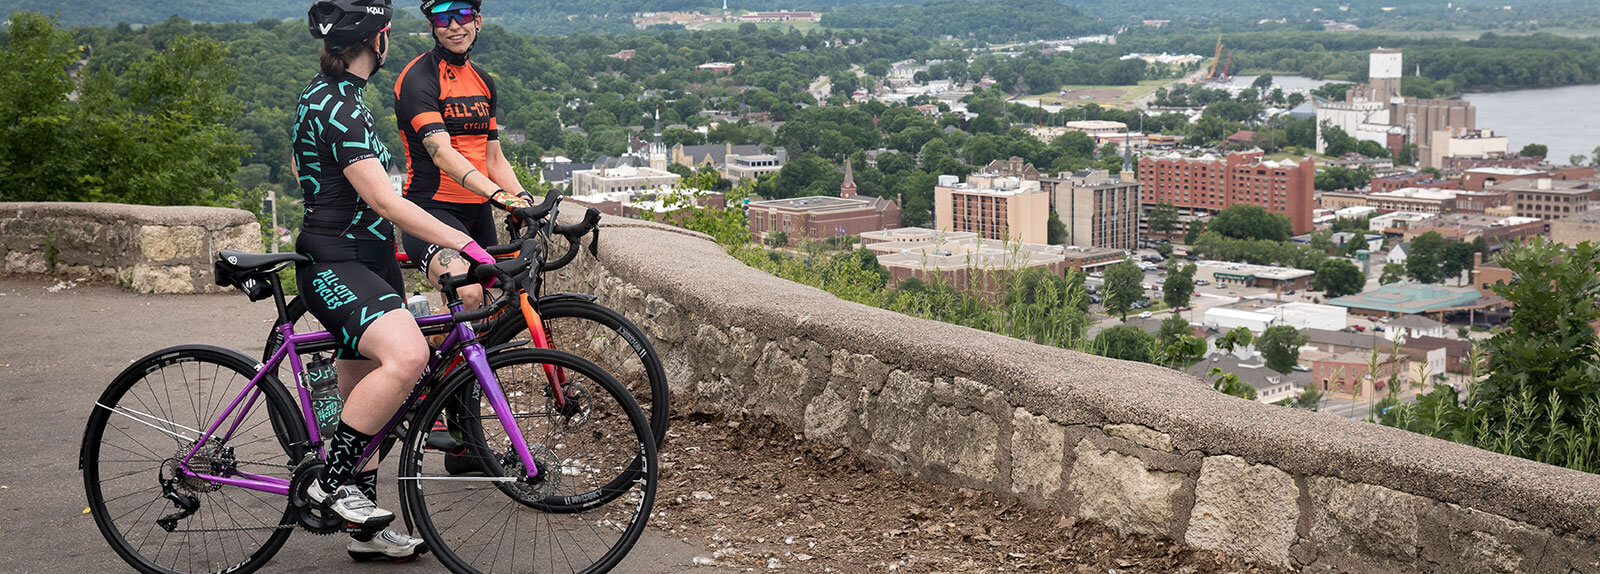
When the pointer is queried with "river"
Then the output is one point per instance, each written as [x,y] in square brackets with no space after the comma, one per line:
[1564,119]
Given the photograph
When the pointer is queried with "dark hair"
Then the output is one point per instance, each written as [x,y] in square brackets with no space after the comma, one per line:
[336,60]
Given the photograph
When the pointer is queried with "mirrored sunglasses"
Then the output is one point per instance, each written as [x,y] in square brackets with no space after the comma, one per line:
[463,16]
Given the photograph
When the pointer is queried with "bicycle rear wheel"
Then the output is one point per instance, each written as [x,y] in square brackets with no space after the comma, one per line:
[484,518]
[141,427]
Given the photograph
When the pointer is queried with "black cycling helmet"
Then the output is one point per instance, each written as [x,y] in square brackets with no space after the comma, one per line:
[347,21]
[428,5]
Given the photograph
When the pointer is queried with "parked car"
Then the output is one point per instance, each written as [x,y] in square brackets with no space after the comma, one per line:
[1097,275]
[1358,328]
[1094,298]
[1300,368]
[1378,328]
[1145,315]
[1289,292]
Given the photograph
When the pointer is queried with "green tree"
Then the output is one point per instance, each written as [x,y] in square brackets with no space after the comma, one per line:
[1280,346]
[1392,273]
[1163,219]
[1172,328]
[1339,277]
[1456,259]
[1125,342]
[1425,258]
[1179,286]
[1310,399]
[37,117]
[1122,288]
[1534,150]
[1407,155]
[1245,221]
[1191,233]
[1055,230]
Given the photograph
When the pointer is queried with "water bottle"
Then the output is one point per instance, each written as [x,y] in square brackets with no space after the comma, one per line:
[326,404]
[418,305]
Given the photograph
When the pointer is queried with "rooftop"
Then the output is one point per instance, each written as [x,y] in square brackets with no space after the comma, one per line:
[1410,298]
[1547,185]
[1322,337]
[815,203]
[1257,271]
[1415,322]
[1415,193]
[1510,171]
[948,254]
[1250,371]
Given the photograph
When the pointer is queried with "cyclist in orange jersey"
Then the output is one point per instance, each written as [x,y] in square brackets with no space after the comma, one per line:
[445,107]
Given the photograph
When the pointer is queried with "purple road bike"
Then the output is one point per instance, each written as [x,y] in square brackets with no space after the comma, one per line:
[196,459]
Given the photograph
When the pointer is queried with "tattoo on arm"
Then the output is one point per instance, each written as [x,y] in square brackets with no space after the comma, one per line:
[464,176]
[431,146]
[445,258]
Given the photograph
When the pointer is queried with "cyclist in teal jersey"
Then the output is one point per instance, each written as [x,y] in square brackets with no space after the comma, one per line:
[353,281]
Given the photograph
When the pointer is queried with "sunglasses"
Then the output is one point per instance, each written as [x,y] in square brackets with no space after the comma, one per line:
[463,16]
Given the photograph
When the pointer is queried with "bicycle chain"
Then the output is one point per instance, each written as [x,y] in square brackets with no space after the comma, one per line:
[289,525]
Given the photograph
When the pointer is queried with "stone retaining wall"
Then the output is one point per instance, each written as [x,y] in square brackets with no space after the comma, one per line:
[1143,449]
[145,248]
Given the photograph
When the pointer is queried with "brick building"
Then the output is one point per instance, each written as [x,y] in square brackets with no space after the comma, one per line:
[1414,199]
[963,260]
[1478,179]
[822,217]
[1204,185]
[1549,199]
[1413,180]
[1467,227]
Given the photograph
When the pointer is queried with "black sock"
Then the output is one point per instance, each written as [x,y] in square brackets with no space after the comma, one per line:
[344,452]
[368,482]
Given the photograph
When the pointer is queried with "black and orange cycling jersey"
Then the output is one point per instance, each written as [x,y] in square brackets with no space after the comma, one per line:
[441,90]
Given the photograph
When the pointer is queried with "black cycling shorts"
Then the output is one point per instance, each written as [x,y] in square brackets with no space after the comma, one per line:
[348,285]
[474,219]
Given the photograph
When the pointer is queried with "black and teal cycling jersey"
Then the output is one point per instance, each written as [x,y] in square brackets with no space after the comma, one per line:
[332,131]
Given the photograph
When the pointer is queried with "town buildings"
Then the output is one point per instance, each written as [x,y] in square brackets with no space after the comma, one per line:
[732,161]
[1376,111]
[1351,372]
[1406,298]
[821,217]
[994,207]
[1415,179]
[1258,314]
[1465,143]
[1468,227]
[624,178]
[964,260]
[1576,229]
[1549,199]
[1201,186]
[1247,275]
[1414,199]
[1097,208]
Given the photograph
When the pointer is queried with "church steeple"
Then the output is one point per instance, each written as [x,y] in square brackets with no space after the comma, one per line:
[658,150]
[848,188]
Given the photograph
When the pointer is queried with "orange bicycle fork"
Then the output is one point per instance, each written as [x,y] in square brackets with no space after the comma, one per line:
[541,340]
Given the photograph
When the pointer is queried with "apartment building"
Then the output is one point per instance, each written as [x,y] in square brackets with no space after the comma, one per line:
[1098,209]
[1201,186]
[1550,199]
[992,206]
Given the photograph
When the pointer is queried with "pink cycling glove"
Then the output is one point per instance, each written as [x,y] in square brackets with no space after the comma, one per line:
[476,253]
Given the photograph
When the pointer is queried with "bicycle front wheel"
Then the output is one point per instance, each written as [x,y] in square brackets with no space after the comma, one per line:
[156,516]
[475,508]
[605,337]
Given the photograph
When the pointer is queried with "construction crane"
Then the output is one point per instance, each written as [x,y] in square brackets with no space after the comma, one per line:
[1217,59]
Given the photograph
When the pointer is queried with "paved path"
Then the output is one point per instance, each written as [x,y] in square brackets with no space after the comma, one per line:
[59,352]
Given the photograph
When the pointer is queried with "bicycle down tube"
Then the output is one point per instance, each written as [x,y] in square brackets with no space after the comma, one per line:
[472,353]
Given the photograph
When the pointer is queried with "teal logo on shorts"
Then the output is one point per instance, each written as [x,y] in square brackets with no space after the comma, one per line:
[332,292]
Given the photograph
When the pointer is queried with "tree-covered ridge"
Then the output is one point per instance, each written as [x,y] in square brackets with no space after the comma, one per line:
[996,21]
[1490,61]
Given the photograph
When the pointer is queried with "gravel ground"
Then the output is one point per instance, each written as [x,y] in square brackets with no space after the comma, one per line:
[755,496]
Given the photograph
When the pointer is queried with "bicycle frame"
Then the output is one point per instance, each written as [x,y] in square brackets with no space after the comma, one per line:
[460,340]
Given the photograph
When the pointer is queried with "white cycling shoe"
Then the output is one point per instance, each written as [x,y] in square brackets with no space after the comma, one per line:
[358,512]
[387,545]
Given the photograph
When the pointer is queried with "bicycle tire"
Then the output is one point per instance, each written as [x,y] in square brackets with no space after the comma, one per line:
[612,424]
[130,396]
[645,377]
